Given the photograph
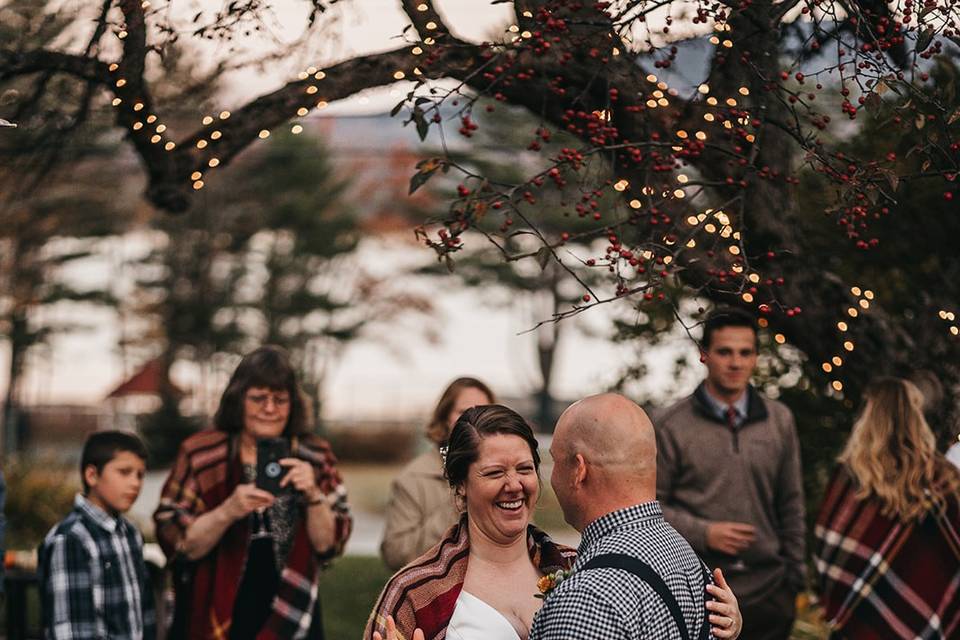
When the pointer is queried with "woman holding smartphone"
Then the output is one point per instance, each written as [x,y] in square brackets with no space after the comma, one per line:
[249,560]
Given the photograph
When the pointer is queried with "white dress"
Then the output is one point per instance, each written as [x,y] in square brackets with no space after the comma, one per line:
[474,619]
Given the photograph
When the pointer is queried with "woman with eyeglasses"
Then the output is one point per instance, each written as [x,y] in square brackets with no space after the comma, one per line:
[248,561]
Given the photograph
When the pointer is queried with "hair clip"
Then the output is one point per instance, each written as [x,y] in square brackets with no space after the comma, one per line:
[443,454]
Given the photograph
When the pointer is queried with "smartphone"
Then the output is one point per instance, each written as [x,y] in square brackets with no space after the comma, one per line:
[269,471]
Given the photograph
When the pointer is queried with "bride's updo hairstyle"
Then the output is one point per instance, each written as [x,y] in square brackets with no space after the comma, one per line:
[474,425]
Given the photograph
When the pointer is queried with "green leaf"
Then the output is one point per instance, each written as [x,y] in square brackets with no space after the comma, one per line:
[397,108]
[544,254]
[924,39]
[421,121]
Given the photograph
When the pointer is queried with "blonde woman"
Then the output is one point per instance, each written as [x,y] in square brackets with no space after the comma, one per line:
[888,533]
[421,508]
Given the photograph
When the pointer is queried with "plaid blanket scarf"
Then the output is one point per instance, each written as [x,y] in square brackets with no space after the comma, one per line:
[424,593]
[882,578]
[205,474]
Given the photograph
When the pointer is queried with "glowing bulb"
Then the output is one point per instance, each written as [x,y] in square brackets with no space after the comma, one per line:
[312,89]
[848,345]
[747,297]
[744,91]
[826,367]
[264,134]
[837,385]
[161,128]
[207,120]
[154,139]
[635,204]
[837,360]
[198,185]
[852,312]
[855,290]
[780,338]
[214,162]
[296,129]
[302,111]
[842,326]
[196,175]
[734,249]
[216,135]
[170,146]
[621,185]
[224,115]
[704,89]
[399,75]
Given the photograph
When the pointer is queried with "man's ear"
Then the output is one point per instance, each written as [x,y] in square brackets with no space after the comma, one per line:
[90,475]
[579,470]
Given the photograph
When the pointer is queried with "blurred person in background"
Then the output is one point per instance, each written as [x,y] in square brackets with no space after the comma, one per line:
[421,507]
[729,478]
[888,533]
[247,561]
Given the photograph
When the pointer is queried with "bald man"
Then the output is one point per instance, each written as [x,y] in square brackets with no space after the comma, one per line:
[635,576]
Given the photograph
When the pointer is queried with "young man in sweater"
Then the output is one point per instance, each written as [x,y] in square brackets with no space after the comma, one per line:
[729,478]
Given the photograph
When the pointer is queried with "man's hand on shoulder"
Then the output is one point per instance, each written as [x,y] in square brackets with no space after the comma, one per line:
[731,538]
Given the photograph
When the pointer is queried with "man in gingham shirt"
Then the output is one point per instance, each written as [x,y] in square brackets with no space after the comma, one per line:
[604,475]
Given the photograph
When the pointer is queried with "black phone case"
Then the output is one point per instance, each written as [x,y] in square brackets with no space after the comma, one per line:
[269,472]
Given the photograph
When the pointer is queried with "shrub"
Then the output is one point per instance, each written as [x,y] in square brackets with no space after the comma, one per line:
[39,493]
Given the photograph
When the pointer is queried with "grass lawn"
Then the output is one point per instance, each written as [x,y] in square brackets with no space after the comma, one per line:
[348,592]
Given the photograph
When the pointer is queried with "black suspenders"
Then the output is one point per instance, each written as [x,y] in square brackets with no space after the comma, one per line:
[643,571]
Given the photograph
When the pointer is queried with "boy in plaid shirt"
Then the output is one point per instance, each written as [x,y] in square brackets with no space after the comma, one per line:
[93,580]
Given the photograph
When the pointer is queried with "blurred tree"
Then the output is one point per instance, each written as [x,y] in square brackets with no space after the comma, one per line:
[56,203]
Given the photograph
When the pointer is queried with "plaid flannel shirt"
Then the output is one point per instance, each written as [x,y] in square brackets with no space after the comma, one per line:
[611,604]
[93,580]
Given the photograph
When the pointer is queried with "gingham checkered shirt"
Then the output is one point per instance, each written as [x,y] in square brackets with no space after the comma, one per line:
[93,580]
[612,604]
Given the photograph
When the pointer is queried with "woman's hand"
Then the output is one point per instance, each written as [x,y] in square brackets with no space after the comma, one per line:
[392,632]
[301,475]
[245,499]
[725,619]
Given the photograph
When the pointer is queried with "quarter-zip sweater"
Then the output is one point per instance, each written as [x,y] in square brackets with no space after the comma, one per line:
[708,472]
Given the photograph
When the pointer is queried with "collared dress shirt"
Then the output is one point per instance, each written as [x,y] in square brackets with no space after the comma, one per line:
[93,579]
[612,604]
[721,408]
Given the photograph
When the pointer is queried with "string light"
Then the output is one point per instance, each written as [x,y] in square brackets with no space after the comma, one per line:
[264,134]
[201,144]
[116,102]
[207,120]
[224,115]
[213,162]
[621,185]
[196,175]
[296,129]
[170,146]
[216,135]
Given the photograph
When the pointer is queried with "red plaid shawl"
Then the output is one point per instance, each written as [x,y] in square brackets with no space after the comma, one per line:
[424,593]
[204,475]
[885,579]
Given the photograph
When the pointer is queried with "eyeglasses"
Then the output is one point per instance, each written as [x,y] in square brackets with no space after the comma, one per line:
[280,400]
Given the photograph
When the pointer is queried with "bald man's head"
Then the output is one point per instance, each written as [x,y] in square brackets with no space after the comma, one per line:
[604,458]
[611,432]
